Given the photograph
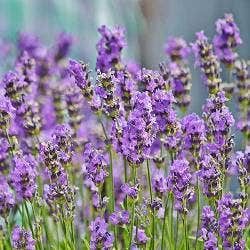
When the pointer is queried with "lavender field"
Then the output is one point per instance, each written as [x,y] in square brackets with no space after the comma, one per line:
[110,157]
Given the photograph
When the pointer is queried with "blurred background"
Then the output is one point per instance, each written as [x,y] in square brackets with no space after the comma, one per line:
[148,24]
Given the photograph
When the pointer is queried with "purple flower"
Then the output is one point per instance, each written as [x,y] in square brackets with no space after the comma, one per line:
[131,191]
[194,132]
[23,176]
[242,166]
[28,118]
[100,237]
[120,217]
[14,84]
[209,228]
[105,89]
[6,112]
[210,175]
[177,49]
[150,80]
[219,121]
[95,164]
[60,195]
[62,47]
[162,105]
[179,183]
[227,39]
[7,201]
[25,66]
[232,222]
[30,43]
[109,48]
[181,84]
[140,236]
[125,87]
[138,133]
[207,61]
[4,148]
[80,73]
[22,239]
[159,183]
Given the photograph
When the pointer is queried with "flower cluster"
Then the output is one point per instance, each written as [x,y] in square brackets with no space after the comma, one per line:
[119,162]
[101,238]
[177,48]
[80,73]
[23,176]
[227,39]
[22,239]
[209,228]
[95,164]
[109,48]
[7,201]
[207,61]
[138,133]
[232,222]
[179,182]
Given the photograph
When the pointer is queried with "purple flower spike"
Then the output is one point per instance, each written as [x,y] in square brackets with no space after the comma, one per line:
[7,201]
[207,62]
[63,44]
[232,222]
[119,217]
[23,176]
[140,236]
[22,239]
[227,39]
[209,229]
[109,48]
[138,133]
[194,132]
[79,71]
[95,164]
[100,237]
[179,182]
[177,48]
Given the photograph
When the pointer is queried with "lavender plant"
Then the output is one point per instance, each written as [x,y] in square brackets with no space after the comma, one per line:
[117,161]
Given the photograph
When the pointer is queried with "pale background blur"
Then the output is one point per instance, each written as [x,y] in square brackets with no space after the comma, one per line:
[148,24]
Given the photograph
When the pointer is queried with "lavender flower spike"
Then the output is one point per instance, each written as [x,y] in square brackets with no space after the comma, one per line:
[22,239]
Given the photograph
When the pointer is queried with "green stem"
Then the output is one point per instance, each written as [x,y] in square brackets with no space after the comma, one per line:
[185,232]
[198,212]
[29,219]
[177,231]
[133,210]
[163,227]
[8,232]
[172,218]
[151,201]
[111,177]
[125,180]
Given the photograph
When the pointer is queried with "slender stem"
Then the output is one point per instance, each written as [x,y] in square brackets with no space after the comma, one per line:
[8,231]
[177,231]
[29,219]
[111,177]
[172,218]
[125,180]
[133,210]
[38,236]
[185,231]
[164,225]
[151,201]
[198,212]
